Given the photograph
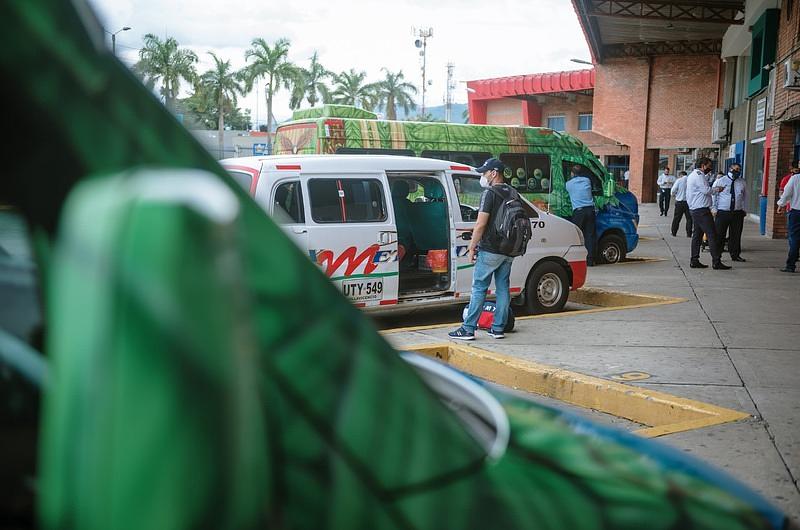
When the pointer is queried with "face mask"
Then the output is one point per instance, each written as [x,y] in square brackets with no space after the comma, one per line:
[484,182]
[707,171]
[735,174]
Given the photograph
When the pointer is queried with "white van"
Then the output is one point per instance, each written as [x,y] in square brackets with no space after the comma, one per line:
[392,231]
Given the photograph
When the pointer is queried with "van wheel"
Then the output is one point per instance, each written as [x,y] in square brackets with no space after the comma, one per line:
[547,289]
[611,249]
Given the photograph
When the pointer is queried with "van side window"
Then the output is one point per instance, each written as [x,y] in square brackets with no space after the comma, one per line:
[529,173]
[244,179]
[347,200]
[597,182]
[470,158]
[288,204]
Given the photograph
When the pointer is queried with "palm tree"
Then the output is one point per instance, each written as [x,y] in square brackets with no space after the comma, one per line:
[309,83]
[270,63]
[351,90]
[222,87]
[164,61]
[394,91]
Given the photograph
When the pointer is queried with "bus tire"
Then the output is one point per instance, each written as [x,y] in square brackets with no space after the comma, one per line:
[547,289]
[611,249]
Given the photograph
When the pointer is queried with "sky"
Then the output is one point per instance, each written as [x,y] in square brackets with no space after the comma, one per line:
[482,39]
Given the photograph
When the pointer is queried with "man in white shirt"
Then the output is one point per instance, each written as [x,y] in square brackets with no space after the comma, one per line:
[729,207]
[791,196]
[626,176]
[681,206]
[664,183]
[698,195]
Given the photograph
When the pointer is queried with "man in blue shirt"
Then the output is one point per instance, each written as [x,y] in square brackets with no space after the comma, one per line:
[579,188]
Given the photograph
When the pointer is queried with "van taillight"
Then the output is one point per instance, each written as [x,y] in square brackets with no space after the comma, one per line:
[461,168]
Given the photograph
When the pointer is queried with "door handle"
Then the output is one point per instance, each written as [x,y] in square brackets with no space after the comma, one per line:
[385,238]
[298,230]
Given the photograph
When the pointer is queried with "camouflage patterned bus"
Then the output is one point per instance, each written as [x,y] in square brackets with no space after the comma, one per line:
[538,160]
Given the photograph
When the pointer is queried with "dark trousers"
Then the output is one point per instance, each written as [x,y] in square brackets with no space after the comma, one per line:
[663,199]
[704,224]
[681,210]
[584,218]
[793,228]
[733,221]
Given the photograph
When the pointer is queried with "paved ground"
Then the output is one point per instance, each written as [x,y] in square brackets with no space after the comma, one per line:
[735,343]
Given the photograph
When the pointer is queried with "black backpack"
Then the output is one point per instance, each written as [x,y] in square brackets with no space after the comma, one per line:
[511,224]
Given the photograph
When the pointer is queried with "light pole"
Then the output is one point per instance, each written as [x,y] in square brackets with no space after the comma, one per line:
[422,42]
[114,38]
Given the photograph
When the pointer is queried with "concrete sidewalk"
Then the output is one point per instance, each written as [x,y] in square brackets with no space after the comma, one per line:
[735,343]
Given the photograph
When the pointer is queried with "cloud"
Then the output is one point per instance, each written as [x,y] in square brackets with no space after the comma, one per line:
[506,37]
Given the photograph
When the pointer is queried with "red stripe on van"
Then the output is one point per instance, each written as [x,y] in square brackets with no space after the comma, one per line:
[515,290]
[461,168]
[388,302]
[288,167]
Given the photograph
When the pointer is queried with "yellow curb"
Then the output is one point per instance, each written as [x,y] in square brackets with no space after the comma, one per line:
[605,300]
[662,413]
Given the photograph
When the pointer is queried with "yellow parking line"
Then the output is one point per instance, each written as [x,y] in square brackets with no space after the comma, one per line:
[648,238]
[640,259]
[662,413]
[603,299]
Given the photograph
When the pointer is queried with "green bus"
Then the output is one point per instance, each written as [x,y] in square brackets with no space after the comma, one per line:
[538,160]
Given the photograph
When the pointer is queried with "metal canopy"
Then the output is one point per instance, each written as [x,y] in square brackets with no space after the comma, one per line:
[640,29]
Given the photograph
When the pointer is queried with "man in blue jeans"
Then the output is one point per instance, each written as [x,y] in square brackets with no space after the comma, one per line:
[488,260]
[790,199]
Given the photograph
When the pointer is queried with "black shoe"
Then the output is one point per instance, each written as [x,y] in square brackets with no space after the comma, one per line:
[462,334]
[674,235]
[697,265]
[720,266]
[739,259]
[787,269]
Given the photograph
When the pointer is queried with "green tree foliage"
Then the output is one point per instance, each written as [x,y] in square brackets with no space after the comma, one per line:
[394,91]
[222,86]
[270,63]
[309,83]
[164,62]
[350,89]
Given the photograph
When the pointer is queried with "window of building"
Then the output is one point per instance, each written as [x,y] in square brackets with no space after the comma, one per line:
[557,123]
[764,33]
[584,122]
[528,173]
[288,204]
[470,158]
[346,200]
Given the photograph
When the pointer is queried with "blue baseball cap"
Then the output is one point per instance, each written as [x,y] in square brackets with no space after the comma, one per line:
[491,164]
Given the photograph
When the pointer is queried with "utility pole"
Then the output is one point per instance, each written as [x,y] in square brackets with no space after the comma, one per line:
[448,102]
[422,42]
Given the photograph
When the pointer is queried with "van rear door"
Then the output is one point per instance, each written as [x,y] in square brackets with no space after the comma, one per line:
[352,236]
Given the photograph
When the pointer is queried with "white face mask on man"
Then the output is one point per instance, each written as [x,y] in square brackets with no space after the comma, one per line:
[484,181]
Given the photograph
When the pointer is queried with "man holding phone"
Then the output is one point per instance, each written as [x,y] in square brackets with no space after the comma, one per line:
[698,197]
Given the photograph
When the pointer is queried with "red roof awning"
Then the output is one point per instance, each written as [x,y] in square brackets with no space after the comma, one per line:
[532,84]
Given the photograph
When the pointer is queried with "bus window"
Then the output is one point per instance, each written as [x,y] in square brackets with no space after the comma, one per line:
[469,158]
[373,151]
[346,200]
[288,202]
[597,182]
[529,173]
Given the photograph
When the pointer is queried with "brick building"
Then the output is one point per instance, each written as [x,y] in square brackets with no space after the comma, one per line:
[783,134]
[563,101]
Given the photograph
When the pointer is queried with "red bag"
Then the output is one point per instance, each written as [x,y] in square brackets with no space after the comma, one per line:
[486,318]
